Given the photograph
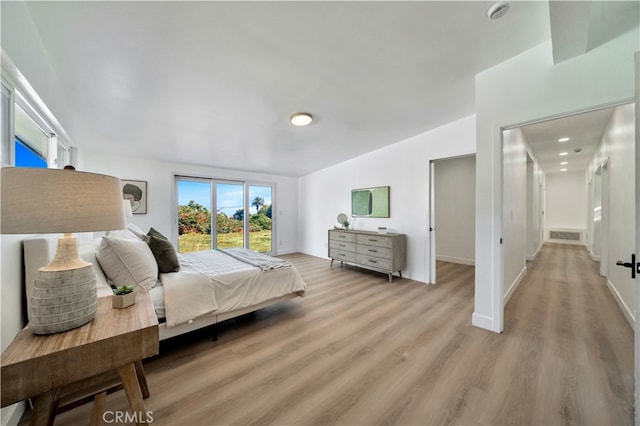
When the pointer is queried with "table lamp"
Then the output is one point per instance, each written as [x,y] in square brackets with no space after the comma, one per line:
[51,201]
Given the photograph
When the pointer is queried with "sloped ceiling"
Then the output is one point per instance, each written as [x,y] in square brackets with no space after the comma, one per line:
[213,83]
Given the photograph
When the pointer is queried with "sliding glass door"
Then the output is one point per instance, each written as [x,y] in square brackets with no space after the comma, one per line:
[229,215]
[238,207]
[194,214]
[260,222]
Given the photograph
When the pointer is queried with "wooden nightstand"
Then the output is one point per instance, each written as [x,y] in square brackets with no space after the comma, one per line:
[52,367]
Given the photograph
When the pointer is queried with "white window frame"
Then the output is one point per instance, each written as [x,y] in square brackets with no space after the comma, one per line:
[22,94]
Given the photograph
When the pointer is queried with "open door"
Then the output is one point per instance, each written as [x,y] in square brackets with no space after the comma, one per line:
[432,223]
[637,265]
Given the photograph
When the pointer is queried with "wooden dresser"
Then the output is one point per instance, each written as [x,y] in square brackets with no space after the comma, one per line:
[379,252]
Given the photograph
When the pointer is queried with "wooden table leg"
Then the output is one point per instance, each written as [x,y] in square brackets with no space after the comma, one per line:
[44,409]
[142,379]
[97,410]
[134,395]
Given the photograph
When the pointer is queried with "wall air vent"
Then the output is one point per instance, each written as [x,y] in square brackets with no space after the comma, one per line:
[564,235]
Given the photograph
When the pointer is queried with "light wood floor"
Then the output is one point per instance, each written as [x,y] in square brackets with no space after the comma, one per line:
[358,350]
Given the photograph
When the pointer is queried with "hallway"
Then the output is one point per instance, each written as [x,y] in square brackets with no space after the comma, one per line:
[574,343]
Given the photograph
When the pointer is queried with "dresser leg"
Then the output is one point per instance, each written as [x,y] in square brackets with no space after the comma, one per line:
[331,263]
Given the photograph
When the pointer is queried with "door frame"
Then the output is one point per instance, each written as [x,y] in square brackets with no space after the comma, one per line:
[432,228]
[637,316]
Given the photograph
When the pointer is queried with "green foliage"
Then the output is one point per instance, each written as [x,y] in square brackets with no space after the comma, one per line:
[225,224]
[260,241]
[257,203]
[259,222]
[194,228]
[123,289]
[194,218]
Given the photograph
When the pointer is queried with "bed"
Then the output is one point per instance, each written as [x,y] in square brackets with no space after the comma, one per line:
[201,289]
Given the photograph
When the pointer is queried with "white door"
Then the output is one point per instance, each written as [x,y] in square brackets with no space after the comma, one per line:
[432,223]
[636,266]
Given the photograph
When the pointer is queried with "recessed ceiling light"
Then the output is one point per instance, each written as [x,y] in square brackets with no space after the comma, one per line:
[497,10]
[563,170]
[564,163]
[563,140]
[563,154]
[301,119]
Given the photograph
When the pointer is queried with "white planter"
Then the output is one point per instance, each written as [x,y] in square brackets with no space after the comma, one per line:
[123,301]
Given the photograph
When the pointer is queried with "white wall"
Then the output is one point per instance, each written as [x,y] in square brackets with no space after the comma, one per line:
[404,167]
[535,207]
[617,148]
[514,231]
[566,201]
[526,88]
[455,209]
[160,192]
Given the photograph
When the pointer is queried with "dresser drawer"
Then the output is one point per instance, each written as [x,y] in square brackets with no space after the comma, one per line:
[342,236]
[375,251]
[375,240]
[342,245]
[342,255]
[373,262]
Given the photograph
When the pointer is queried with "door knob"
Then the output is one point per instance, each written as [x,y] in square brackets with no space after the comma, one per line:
[634,267]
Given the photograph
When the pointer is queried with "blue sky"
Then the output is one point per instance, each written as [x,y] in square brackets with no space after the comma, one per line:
[27,158]
[229,195]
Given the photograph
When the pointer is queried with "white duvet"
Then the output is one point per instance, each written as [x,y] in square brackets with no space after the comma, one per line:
[211,281]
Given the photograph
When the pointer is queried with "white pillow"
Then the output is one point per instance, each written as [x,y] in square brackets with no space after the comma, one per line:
[136,231]
[87,251]
[127,262]
[124,233]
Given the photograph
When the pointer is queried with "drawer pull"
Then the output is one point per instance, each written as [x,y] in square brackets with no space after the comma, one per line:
[373,240]
[342,236]
[342,254]
[373,251]
[341,245]
[372,261]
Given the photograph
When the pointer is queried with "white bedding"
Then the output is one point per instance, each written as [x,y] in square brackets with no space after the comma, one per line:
[212,281]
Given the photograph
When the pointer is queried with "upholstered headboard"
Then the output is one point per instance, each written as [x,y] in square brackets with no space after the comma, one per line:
[38,252]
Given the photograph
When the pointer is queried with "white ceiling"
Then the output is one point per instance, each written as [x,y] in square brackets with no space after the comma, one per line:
[213,83]
[584,132]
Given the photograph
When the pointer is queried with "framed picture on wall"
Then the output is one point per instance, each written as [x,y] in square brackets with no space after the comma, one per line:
[136,192]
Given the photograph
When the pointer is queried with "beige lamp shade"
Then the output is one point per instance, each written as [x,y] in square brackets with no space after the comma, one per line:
[37,201]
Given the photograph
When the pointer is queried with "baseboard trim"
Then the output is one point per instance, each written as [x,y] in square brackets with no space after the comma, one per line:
[514,286]
[484,322]
[628,313]
[532,257]
[451,259]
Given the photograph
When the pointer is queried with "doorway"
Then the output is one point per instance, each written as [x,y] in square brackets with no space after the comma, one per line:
[452,211]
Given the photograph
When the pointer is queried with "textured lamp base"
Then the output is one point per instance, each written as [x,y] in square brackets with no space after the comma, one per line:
[62,300]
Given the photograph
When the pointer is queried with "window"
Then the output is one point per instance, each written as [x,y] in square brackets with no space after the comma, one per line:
[238,207]
[28,132]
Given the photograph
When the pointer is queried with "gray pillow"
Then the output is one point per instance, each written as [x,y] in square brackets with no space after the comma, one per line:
[165,254]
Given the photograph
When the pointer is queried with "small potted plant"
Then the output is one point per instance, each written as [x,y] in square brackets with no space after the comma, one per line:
[123,296]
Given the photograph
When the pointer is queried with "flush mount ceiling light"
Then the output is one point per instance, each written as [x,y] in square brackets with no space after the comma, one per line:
[497,10]
[563,170]
[562,154]
[564,163]
[301,119]
[563,140]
